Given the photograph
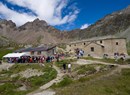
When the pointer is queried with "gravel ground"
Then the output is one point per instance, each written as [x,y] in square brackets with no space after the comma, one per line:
[47,92]
[5,66]
[29,73]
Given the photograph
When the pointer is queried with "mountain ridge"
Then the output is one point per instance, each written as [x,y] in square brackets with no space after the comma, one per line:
[39,32]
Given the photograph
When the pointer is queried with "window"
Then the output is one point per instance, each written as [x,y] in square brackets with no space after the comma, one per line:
[39,53]
[101,41]
[70,49]
[32,52]
[70,45]
[84,43]
[75,45]
[116,43]
[92,49]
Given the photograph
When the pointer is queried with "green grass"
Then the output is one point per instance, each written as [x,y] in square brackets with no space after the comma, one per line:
[85,68]
[38,81]
[118,84]
[11,84]
[128,51]
[65,82]
[8,89]
[4,52]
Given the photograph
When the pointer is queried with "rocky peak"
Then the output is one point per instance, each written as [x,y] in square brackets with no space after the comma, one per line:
[127,10]
[40,22]
[36,25]
[7,23]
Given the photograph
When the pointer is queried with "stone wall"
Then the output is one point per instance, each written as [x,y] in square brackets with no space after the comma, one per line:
[101,47]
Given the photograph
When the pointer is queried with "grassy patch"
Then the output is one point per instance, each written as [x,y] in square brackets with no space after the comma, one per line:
[88,72]
[38,81]
[117,84]
[32,83]
[65,82]
[4,52]
[8,89]
[92,77]
[128,51]
[85,68]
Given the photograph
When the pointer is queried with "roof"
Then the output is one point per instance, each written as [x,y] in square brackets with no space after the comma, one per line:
[94,43]
[97,39]
[45,48]
[14,55]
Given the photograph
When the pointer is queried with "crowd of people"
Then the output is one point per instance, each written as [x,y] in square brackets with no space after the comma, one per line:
[34,59]
[119,56]
[26,59]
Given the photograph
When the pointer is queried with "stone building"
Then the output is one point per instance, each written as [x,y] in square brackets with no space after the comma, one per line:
[38,51]
[97,47]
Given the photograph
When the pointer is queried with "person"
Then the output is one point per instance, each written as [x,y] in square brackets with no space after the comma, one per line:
[48,59]
[81,53]
[30,60]
[52,61]
[122,57]
[116,57]
[57,57]
[43,59]
[64,67]
[69,67]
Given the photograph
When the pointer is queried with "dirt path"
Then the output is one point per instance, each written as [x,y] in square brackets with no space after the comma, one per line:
[43,90]
[85,62]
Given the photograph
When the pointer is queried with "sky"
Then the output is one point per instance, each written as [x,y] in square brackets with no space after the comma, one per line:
[62,14]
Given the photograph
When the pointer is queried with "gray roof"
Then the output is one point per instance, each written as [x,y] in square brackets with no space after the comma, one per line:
[45,48]
[94,43]
[96,39]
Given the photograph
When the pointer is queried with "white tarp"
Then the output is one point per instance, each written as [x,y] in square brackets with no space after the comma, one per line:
[14,55]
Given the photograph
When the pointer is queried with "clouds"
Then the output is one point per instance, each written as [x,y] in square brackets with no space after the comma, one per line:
[48,10]
[19,18]
[85,26]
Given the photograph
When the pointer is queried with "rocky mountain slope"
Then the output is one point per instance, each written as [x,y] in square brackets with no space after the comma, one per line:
[39,32]
[35,32]
[114,23]
[4,41]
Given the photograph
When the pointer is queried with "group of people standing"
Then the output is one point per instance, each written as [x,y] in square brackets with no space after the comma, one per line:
[79,53]
[119,56]
[67,66]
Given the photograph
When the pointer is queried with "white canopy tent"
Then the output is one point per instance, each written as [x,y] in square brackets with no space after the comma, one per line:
[15,55]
